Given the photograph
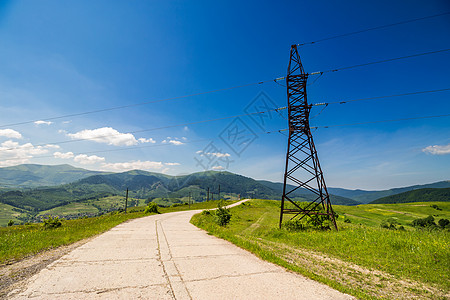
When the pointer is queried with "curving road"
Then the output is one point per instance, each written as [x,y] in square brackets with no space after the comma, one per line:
[166,257]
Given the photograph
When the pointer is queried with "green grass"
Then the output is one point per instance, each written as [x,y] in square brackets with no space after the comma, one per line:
[17,242]
[374,214]
[8,212]
[418,255]
[70,209]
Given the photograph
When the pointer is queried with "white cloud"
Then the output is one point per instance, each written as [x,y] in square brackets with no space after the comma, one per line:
[437,150]
[173,142]
[218,168]
[40,122]
[172,164]
[12,153]
[106,135]
[50,146]
[88,160]
[10,133]
[216,154]
[110,136]
[176,143]
[150,140]
[133,165]
[63,155]
[185,128]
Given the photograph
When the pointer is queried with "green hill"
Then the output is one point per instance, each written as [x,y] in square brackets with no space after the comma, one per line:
[369,196]
[31,175]
[420,195]
[92,191]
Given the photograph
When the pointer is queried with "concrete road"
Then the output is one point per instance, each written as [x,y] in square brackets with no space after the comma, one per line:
[166,257]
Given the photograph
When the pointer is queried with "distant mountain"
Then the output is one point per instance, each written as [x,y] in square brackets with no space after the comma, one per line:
[32,175]
[53,186]
[145,185]
[306,195]
[420,195]
[369,196]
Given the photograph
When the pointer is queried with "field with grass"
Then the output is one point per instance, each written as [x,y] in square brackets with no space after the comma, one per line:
[361,258]
[20,241]
[8,212]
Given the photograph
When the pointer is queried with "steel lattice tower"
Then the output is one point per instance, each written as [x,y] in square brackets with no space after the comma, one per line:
[302,170]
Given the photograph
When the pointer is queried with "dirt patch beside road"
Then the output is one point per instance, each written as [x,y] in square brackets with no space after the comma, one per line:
[13,274]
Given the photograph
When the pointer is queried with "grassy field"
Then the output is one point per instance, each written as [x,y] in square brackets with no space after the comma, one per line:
[374,214]
[17,242]
[8,212]
[361,258]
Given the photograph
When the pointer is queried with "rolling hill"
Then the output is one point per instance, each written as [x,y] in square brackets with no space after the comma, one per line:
[369,196]
[145,185]
[35,189]
[420,195]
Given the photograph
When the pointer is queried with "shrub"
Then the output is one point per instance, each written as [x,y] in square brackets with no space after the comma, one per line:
[151,208]
[347,220]
[223,215]
[436,207]
[10,223]
[443,223]
[294,225]
[425,222]
[390,223]
[206,213]
[52,222]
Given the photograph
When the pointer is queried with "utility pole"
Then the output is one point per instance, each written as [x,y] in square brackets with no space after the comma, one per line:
[302,170]
[207,197]
[219,191]
[189,200]
[126,202]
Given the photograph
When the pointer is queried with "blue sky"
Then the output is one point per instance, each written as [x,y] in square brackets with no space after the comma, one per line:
[66,57]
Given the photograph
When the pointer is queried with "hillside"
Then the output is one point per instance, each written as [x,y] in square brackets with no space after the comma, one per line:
[420,195]
[306,195]
[31,175]
[92,191]
[369,196]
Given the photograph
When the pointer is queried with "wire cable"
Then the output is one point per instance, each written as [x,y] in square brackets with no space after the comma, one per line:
[379,62]
[139,147]
[142,103]
[371,29]
[381,121]
[155,128]
[381,97]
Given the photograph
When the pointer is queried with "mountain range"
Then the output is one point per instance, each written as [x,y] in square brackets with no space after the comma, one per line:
[32,189]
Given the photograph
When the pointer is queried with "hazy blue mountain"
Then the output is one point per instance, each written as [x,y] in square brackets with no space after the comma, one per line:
[32,175]
[307,195]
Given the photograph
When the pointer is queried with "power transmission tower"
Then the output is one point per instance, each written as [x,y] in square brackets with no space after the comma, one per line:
[303,169]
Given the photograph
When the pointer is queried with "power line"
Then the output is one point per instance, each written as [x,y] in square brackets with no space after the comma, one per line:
[214,91]
[381,121]
[140,147]
[378,62]
[142,103]
[264,132]
[157,128]
[372,28]
[381,97]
